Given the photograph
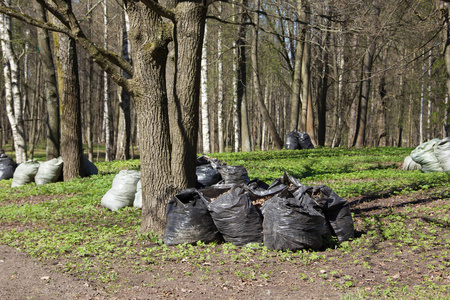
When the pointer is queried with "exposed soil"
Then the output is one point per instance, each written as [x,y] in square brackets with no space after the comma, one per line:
[22,277]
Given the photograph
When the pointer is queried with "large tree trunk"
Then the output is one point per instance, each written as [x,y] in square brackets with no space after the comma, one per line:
[189,32]
[14,105]
[149,38]
[69,93]
[50,87]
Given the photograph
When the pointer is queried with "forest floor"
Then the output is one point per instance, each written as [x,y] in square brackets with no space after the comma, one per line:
[383,268]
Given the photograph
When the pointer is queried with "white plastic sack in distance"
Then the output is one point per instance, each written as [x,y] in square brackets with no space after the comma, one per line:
[138,196]
[424,155]
[49,171]
[410,165]
[122,191]
[442,152]
[25,173]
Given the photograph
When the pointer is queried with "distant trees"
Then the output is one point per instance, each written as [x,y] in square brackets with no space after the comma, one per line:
[350,73]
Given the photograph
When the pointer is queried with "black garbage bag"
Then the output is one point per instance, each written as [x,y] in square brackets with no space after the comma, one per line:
[207,175]
[87,167]
[234,174]
[292,142]
[305,141]
[188,220]
[298,140]
[237,219]
[7,167]
[260,192]
[337,212]
[292,222]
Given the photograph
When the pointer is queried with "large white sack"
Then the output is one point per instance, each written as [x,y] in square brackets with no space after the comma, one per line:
[49,171]
[25,173]
[138,196]
[122,191]
[442,152]
[424,155]
[410,165]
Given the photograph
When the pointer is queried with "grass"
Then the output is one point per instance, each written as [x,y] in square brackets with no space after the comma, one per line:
[64,222]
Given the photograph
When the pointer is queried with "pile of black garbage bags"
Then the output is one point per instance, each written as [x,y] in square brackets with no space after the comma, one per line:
[227,206]
[296,140]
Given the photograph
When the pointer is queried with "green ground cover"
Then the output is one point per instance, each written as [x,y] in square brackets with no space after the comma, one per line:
[64,222]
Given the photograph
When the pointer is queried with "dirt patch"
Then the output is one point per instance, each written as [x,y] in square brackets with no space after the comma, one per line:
[22,277]
[381,265]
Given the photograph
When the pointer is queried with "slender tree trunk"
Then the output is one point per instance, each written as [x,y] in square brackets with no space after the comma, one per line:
[340,63]
[445,127]
[352,120]
[241,45]
[14,104]
[447,60]
[429,129]
[220,84]
[107,115]
[50,87]
[296,78]
[124,123]
[365,89]
[322,99]
[401,118]
[278,143]
[422,101]
[35,110]
[204,99]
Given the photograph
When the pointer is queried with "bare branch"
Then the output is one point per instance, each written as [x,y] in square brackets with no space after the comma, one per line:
[159,9]
[105,59]
[32,21]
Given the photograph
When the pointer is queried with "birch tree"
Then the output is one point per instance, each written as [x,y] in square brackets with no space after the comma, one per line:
[204,98]
[13,96]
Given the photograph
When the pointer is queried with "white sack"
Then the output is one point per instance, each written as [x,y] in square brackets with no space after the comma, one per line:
[122,191]
[424,155]
[442,152]
[138,196]
[25,173]
[49,171]
[410,165]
